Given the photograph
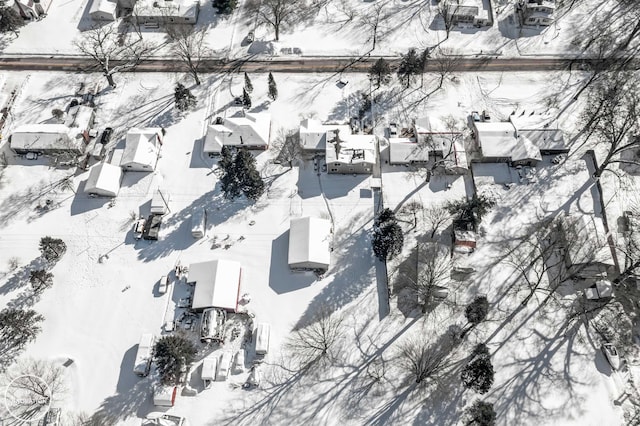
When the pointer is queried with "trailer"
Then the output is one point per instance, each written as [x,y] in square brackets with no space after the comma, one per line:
[209,367]
[143,356]
[263,332]
[160,202]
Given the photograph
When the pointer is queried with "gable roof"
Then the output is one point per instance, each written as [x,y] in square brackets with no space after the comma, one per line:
[217,284]
[309,239]
[249,129]
[141,147]
[44,137]
[104,178]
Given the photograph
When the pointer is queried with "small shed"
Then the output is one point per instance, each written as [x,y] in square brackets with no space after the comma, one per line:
[104,180]
[217,284]
[309,243]
[164,396]
[103,10]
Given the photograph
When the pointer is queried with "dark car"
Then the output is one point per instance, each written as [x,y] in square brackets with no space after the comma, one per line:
[152,227]
[106,136]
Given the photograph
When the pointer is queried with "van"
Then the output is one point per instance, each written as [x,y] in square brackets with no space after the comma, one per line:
[224,366]
[262,338]
[144,355]
[198,223]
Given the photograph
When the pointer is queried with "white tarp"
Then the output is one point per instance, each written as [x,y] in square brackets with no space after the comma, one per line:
[217,284]
[309,243]
[104,180]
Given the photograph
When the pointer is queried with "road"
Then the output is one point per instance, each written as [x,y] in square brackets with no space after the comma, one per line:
[304,64]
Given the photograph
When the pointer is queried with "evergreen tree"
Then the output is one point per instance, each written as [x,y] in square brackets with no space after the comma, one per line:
[247,83]
[229,183]
[273,89]
[18,327]
[173,355]
[225,7]
[477,310]
[410,66]
[388,237]
[40,279]
[10,20]
[481,414]
[251,183]
[52,248]
[246,99]
[184,98]
[380,73]
[478,374]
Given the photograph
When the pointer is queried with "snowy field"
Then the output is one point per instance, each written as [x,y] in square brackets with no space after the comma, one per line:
[105,292]
[339,27]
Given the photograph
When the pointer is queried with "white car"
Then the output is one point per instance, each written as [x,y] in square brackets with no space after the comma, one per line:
[163,284]
[223,366]
[138,228]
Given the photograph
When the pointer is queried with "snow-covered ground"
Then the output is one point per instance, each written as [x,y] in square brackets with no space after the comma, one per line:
[100,305]
[337,28]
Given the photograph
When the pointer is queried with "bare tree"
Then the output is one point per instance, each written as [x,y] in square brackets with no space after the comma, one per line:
[318,340]
[427,361]
[189,44]
[446,10]
[276,13]
[446,62]
[612,113]
[288,144]
[373,20]
[436,216]
[429,276]
[111,57]
[411,209]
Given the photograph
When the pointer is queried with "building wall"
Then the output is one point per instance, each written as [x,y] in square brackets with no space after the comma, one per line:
[348,168]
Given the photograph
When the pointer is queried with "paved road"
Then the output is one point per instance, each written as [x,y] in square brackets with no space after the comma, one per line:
[304,64]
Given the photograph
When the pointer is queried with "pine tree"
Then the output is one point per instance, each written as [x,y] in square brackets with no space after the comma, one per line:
[173,355]
[477,310]
[481,414]
[247,83]
[225,7]
[251,183]
[380,73]
[273,89]
[388,237]
[229,183]
[40,279]
[184,98]
[10,20]
[246,99]
[52,248]
[410,66]
[18,327]
[478,374]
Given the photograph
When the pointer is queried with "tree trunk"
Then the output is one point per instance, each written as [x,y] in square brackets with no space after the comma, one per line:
[110,80]
[277,30]
[195,77]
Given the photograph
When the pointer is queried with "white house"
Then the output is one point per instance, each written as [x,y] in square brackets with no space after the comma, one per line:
[535,12]
[350,153]
[407,151]
[155,12]
[44,139]
[250,130]
[217,284]
[103,10]
[30,9]
[500,142]
[542,132]
[104,180]
[141,149]
[588,254]
[309,243]
[313,134]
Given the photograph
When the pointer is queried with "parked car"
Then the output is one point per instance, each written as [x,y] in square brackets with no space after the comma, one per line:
[393,130]
[106,135]
[163,284]
[31,156]
[152,227]
[138,228]
[475,116]
[485,115]
[251,37]
[611,353]
[223,366]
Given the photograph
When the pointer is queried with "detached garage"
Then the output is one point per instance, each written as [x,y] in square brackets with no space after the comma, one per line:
[103,10]
[217,284]
[104,180]
[309,243]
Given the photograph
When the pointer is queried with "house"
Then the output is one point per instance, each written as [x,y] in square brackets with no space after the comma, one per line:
[407,151]
[141,149]
[309,243]
[313,134]
[217,284]
[499,142]
[535,12]
[79,119]
[587,253]
[152,13]
[351,154]
[30,9]
[472,12]
[544,134]
[46,139]
[250,130]
[104,180]
[103,10]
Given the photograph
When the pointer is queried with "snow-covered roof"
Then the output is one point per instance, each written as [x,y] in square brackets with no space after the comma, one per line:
[540,130]
[217,284]
[104,179]
[141,147]
[500,140]
[249,129]
[37,137]
[309,243]
[186,9]
[405,150]
[313,134]
[588,240]
[103,6]
[353,149]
